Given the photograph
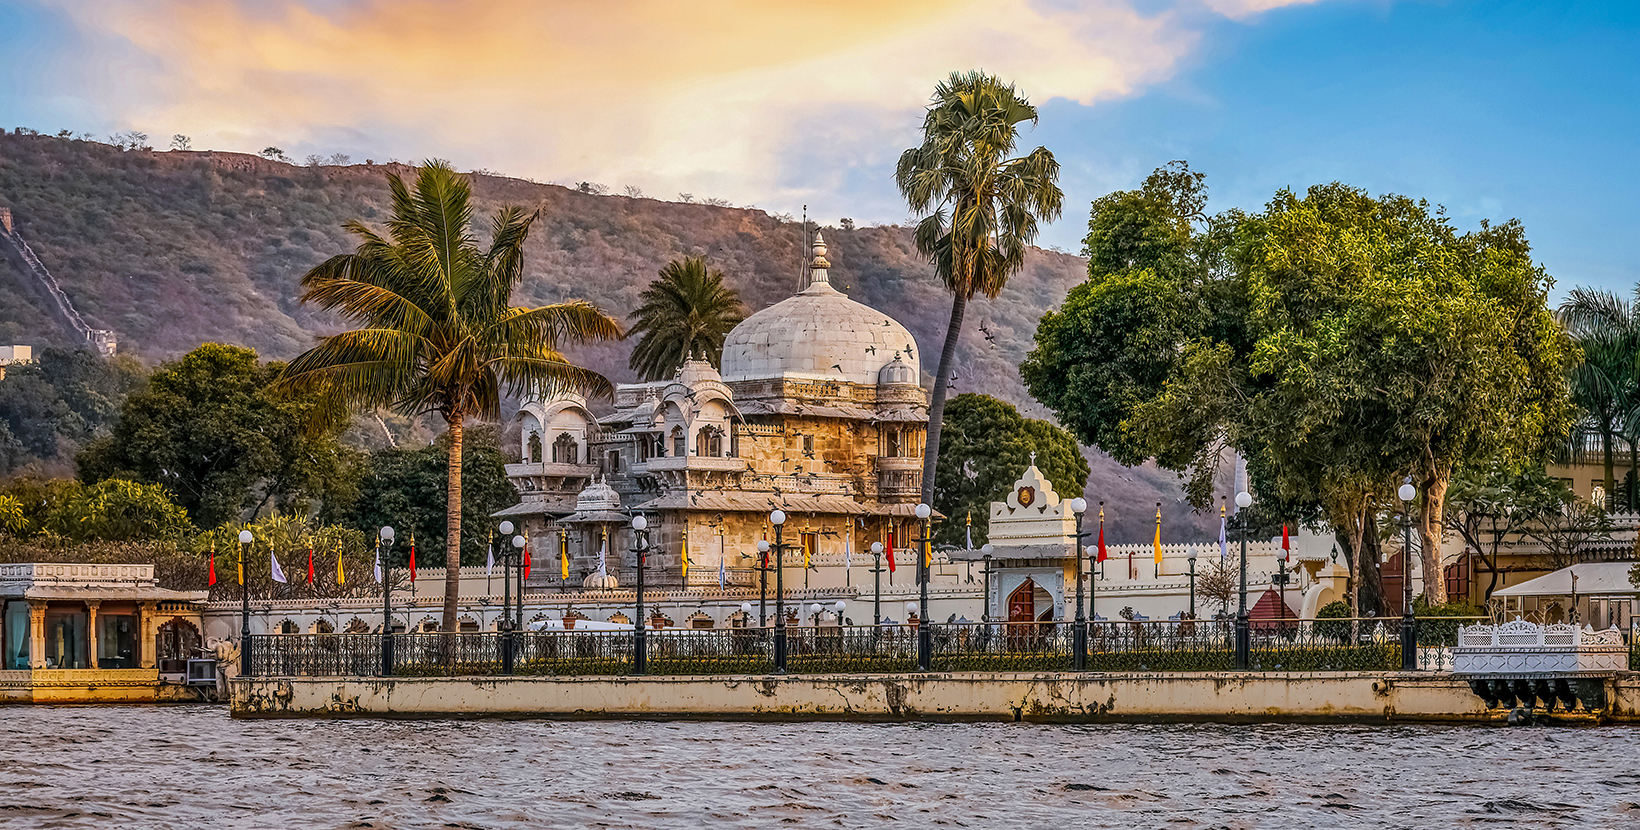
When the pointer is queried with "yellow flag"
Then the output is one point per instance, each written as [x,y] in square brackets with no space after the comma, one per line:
[686,556]
[563,555]
[1156,543]
[241,564]
[340,576]
[805,538]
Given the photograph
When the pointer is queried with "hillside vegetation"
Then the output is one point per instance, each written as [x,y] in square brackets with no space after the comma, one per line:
[172,249]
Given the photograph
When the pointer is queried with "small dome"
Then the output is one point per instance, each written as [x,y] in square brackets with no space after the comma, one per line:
[695,371]
[598,496]
[897,373]
[600,582]
[819,334]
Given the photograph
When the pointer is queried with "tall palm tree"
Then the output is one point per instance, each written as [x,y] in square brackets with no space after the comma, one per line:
[436,333]
[1606,383]
[983,205]
[687,310]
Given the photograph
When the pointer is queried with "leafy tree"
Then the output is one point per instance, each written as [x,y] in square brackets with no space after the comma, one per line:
[12,520]
[1605,383]
[1491,507]
[988,445]
[289,538]
[406,489]
[436,331]
[181,142]
[116,510]
[982,206]
[687,311]
[274,154]
[209,430]
[49,408]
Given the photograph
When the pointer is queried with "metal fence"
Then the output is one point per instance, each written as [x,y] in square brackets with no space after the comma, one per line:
[1120,645]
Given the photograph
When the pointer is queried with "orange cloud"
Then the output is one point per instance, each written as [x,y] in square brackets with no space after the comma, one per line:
[710,96]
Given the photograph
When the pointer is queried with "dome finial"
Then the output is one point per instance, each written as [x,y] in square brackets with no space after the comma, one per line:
[817,268]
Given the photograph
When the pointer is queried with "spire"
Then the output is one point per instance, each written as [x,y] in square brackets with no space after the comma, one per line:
[819,280]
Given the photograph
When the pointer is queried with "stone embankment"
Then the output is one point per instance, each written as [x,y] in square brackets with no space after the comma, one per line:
[1244,697]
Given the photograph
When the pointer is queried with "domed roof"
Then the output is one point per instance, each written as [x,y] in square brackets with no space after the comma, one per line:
[820,333]
[897,373]
[597,496]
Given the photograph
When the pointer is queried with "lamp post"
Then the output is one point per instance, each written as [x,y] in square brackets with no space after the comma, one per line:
[1079,634]
[778,519]
[1409,624]
[383,545]
[518,543]
[815,610]
[877,584]
[762,583]
[1244,637]
[244,607]
[509,643]
[506,578]
[640,547]
[1192,557]
[925,634]
[838,608]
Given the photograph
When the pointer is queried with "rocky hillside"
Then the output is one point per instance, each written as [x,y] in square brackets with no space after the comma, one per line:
[171,249]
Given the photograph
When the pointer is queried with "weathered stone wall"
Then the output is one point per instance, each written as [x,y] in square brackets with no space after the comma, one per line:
[1223,697]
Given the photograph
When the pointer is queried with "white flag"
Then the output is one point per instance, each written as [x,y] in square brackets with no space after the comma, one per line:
[278,572]
[1224,549]
[603,556]
[723,577]
[848,550]
[489,564]
[378,564]
[970,531]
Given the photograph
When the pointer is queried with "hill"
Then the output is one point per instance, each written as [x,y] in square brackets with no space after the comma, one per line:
[171,249]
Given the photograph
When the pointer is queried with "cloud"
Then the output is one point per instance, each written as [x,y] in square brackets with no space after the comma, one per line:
[747,100]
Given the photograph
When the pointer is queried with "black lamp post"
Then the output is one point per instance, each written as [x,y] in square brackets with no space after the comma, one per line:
[763,583]
[383,545]
[1244,637]
[1192,557]
[877,586]
[1079,634]
[518,562]
[640,547]
[1409,624]
[778,519]
[506,577]
[925,632]
[244,606]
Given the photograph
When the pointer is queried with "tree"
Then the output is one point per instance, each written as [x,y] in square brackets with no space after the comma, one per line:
[1218,582]
[1605,383]
[687,311]
[181,142]
[983,206]
[436,331]
[61,401]
[12,519]
[988,445]
[407,488]
[116,510]
[274,154]
[209,430]
[1488,504]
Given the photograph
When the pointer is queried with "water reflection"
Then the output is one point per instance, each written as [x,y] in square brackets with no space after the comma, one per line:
[195,767]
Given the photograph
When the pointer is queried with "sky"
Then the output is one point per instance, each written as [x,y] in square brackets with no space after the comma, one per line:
[1494,109]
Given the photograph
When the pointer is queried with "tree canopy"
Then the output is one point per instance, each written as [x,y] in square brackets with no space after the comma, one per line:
[208,429]
[988,446]
[686,311]
[65,398]
[1343,342]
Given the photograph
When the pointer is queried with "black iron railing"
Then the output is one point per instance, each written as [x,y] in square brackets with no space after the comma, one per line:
[1113,645]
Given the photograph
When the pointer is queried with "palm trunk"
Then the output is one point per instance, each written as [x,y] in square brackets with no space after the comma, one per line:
[936,406]
[1634,476]
[1607,435]
[1429,536]
[452,527]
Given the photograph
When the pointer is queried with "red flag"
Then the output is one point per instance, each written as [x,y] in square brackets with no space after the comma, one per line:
[1102,553]
[212,579]
[891,551]
[412,557]
[526,565]
[1286,549]
[310,564]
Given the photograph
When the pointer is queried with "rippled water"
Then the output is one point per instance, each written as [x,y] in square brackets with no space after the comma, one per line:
[195,767]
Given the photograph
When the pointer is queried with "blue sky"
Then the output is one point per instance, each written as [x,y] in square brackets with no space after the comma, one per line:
[1496,110]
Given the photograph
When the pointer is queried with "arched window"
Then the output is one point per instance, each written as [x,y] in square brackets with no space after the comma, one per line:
[680,446]
[535,448]
[177,640]
[614,466]
[709,442]
[891,443]
[357,626]
[289,627]
[565,450]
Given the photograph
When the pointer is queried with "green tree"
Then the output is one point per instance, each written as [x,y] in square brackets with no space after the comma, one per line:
[687,311]
[67,397]
[1605,382]
[405,489]
[988,445]
[436,331]
[1492,507]
[116,510]
[209,429]
[983,206]
[12,519]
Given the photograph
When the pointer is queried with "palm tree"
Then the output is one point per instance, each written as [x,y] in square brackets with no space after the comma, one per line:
[688,310]
[1606,383]
[436,332]
[983,205]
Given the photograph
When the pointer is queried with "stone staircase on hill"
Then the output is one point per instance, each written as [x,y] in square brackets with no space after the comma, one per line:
[15,249]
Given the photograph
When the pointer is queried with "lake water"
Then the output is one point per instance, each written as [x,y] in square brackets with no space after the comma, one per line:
[165,767]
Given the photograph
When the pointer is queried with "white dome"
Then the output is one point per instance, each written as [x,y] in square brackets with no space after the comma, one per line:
[820,334]
[897,373]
